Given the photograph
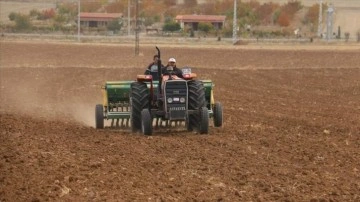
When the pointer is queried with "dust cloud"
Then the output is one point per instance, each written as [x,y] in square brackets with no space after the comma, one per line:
[44,100]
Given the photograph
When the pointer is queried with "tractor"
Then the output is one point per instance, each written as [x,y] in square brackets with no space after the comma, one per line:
[156,98]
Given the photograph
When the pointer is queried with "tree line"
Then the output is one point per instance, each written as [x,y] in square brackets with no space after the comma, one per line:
[249,15]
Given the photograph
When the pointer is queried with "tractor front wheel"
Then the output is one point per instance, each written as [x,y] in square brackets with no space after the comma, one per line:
[146,122]
[99,116]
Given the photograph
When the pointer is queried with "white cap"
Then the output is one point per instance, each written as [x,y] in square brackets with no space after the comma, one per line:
[172,60]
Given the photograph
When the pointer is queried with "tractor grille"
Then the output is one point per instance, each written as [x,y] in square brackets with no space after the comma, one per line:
[176,89]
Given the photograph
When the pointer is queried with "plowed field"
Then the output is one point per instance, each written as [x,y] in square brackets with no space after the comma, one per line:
[291,127]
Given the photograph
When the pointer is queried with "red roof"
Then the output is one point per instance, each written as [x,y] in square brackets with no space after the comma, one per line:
[200,18]
[100,16]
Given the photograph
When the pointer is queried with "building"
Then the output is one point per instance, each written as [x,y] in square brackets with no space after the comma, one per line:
[192,21]
[98,19]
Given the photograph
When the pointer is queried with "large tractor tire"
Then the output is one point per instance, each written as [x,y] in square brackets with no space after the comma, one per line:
[196,99]
[99,116]
[146,122]
[218,114]
[139,100]
[204,120]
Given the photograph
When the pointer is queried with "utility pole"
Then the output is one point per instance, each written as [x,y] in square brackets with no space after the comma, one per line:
[129,22]
[78,34]
[320,20]
[137,28]
[234,38]
[329,23]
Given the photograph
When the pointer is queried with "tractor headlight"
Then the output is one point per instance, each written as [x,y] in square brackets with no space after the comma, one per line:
[169,100]
[182,100]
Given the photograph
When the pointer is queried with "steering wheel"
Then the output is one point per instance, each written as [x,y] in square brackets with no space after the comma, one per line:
[169,72]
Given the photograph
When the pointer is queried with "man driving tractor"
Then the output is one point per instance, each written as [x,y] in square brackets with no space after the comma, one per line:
[171,68]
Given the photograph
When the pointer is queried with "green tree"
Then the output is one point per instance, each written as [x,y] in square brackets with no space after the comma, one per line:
[276,15]
[34,13]
[168,20]
[22,23]
[148,21]
[114,26]
[60,19]
[157,18]
[12,16]
[205,27]
[247,14]
[171,27]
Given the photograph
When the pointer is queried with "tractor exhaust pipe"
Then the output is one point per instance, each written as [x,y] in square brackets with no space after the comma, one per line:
[159,70]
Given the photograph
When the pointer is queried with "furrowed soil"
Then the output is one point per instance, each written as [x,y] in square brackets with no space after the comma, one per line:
[291,127]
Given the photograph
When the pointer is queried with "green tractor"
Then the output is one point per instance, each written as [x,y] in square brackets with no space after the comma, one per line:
[155,98]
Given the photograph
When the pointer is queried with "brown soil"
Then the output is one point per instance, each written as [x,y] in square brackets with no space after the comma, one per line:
[291,127]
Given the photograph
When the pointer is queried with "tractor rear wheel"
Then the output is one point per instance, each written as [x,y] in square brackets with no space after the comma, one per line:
[99,116]
[218,114]
[204,121]
[139,100]
[197,100]
[146,122]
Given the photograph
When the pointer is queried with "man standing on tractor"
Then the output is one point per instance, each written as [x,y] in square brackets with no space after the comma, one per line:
[152,67]
[171,68]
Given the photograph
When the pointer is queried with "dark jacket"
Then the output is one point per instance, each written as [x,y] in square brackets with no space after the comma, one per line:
[152,69]
[176,71]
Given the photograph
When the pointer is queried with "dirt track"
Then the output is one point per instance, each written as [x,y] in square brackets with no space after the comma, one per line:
[291,127]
